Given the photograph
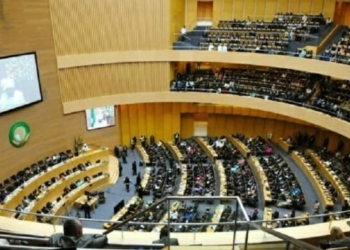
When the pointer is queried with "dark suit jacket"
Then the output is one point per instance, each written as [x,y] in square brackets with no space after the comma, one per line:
[164,240]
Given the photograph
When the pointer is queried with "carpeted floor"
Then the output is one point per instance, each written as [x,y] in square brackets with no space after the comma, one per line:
[114,194]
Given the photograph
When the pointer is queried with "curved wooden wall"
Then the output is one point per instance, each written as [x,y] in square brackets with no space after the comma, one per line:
[164,119]
[103,80]
[340,71]
[308,115]
[109,25]
[26,28]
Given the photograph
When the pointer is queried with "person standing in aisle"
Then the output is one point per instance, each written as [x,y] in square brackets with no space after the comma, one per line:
[127,184]
[134,168]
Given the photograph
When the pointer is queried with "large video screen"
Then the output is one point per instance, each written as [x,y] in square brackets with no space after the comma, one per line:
[100,117]
[19,82]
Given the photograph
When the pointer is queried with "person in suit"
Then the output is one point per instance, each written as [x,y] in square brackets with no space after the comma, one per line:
[127,184]
[138,180]
[139,190]
[124,157]
[73,237]
[134,168]
[125,150]
[120,169]
[116,152]
[164,238]
[87,208]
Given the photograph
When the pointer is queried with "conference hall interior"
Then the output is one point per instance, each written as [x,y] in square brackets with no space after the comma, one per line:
[175,124]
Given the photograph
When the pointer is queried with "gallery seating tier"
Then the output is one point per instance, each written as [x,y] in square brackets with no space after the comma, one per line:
[16,197]
[315,179]
[341,189]
[216,218]
[57,189]
[222,176]
[65,204]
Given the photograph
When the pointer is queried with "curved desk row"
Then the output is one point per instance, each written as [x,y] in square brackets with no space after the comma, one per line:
[15,198]
[245,151]
[175,151]
[222,176]
[135,200]
[68,202]
[285,145]
[216,218]
[143,154]
[56,190]
[315,179]
[174,207]
[341,189]
[183,182]
[203,143]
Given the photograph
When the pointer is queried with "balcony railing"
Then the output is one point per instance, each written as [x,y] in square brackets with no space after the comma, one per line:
[240,222]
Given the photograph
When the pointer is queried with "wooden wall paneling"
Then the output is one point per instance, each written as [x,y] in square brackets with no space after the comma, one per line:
[221,124]
[193,107]
[294,6]
[134,121]
[30,21]
[191,15]
[202,108]
[249,126]
[238,6]
[278,130]
[176,118]
[317,6]
[218,9]
[231,125]
[239,124]
[271,9]
[150,119]
[249,9]
[212,128]
[168,125]
[328,9]
[269,127]
[187,125]
[77,25]
[100,80]
[125,126]
[159,121]
[306,6]
[185,107]
[259,126]
[260,9]
[177,18]
[282,6]
[142,119]
[289,128]
[228,10]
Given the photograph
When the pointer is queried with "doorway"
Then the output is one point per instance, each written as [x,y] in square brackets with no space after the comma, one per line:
[204,11]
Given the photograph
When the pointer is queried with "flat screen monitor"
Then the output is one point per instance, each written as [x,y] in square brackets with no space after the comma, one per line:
[101,117]
[19,82]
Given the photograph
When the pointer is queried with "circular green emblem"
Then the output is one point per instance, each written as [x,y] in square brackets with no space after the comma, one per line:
[19,134]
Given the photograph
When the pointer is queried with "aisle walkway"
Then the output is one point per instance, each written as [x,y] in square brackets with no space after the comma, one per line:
[114,194]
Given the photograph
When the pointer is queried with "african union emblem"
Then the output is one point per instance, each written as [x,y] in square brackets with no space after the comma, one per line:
[19,134]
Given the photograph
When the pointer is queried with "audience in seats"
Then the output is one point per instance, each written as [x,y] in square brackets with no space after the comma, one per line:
[73,237]
[339,52]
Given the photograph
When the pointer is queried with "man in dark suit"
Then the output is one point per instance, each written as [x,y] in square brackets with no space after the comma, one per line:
[164,238]
[134,168]
[86,207]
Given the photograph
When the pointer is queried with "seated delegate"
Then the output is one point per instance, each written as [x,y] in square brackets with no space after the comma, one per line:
[164,238]
[73,237]
[338,240]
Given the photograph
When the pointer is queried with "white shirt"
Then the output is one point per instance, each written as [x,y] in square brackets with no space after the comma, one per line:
[211,47]
[224,48]
[183,31]
[220,48]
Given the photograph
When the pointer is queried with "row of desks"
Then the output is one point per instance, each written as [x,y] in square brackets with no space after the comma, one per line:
[222,175]
[56,190]
[175,151]
[174,207]
[143,154]
[315,179]
[183,182]
[216,218]
[242,148]
[283,144]
[16,197]
[135,200]
[328,173]
[207,148]
[260,176]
